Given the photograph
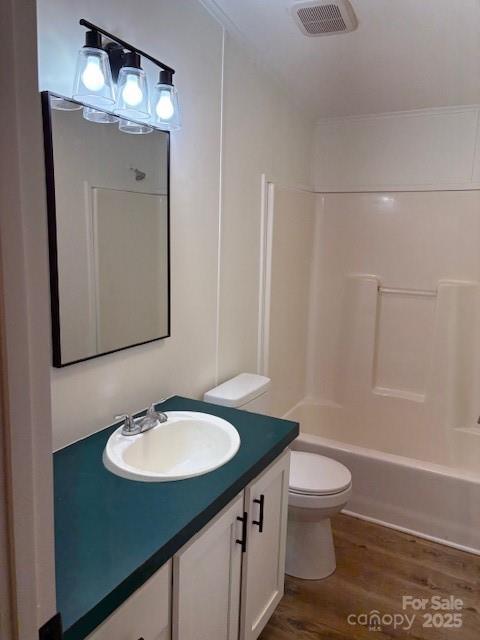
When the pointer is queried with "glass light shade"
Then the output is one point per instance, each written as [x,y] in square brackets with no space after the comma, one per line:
[132,94]
[135,128]
[93,79]
[98,116]
[165,107]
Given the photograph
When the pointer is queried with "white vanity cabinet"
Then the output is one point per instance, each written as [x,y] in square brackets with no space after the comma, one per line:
[229,578]
[145,615]
[225,583]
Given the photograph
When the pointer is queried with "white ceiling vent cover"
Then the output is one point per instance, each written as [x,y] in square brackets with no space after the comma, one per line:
[324,19]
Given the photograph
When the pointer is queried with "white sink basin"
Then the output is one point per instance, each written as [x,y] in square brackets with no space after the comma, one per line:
[189,444]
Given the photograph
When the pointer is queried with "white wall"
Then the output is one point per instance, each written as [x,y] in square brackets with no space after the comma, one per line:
[261,134]
[407,151]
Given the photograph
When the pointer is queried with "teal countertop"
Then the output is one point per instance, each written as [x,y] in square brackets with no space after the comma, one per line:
[112,534]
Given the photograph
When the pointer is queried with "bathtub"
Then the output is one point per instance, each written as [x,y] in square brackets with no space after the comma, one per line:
[429,500]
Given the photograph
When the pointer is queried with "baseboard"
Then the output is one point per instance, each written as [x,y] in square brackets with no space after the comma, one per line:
[417,534]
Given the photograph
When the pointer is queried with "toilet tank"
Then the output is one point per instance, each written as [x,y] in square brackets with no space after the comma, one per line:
[247,391]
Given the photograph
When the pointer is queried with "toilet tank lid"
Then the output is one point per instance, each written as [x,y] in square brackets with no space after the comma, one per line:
[239,390]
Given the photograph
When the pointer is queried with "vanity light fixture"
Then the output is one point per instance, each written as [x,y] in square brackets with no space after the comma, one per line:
[166,110]
[99,67]
[93,78]
[132,90]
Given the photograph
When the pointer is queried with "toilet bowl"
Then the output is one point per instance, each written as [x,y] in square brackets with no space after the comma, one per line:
[319,488]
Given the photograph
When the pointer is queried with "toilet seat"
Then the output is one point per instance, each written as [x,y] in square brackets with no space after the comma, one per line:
[314,475]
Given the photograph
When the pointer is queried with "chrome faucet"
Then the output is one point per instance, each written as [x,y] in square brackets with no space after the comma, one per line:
[133,426]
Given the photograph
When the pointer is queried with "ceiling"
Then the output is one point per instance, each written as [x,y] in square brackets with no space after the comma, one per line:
[405,54]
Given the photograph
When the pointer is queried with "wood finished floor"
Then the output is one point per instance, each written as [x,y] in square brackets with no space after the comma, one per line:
[375,568]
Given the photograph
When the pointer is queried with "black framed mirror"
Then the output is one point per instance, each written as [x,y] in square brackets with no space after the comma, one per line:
[109,231]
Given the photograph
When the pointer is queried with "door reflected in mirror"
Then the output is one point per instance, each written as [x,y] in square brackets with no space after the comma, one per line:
[108,205]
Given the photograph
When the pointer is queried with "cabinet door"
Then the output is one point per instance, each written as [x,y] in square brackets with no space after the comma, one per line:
[145,615]
[206,580]
[263,573]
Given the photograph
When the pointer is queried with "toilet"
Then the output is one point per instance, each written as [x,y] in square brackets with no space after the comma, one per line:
[319,486]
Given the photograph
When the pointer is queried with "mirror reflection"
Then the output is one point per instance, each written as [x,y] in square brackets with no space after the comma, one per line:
[109,235]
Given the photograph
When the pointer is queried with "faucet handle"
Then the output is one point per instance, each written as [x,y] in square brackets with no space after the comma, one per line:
[129,425]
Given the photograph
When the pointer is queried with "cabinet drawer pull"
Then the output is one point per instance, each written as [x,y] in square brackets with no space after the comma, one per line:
[259,522]
[243,541]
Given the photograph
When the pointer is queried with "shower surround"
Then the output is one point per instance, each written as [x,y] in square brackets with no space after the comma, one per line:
[393,356]
[395,323]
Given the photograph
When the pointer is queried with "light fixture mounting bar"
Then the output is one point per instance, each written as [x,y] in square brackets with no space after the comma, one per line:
[126,45]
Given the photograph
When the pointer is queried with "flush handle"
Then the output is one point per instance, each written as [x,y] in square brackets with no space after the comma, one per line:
[243,540]
[260,501]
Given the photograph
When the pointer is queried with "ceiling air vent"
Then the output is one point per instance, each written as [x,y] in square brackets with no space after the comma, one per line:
[324,19]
